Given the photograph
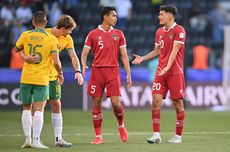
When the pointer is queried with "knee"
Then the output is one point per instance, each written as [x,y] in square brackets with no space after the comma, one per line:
[116,105]
[27,107]
[55,106]
[179,106]
[97,101]
[156,104]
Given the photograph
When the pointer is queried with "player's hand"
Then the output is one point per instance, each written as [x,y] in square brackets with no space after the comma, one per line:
[84,69]
[36,58]
[79,77]
[60,78]
[129,81]
[32,58]
[138,59]
[163,71]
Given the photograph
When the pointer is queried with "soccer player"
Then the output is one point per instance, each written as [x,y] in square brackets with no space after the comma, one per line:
[62,31]
[35,77]
[107,44]
[169,45]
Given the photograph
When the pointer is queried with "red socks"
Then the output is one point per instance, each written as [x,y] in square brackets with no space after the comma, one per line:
[156,116]
[180,122]
[119,113]
[97,119]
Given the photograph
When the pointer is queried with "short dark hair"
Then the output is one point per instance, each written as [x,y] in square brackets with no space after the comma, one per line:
[66,21]
[170,9]
[39,17]
[106,11]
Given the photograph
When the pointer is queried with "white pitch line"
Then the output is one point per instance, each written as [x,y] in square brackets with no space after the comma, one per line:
[130,133]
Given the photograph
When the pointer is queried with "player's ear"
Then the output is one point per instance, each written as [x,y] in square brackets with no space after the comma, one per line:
[46,22]
[33,23]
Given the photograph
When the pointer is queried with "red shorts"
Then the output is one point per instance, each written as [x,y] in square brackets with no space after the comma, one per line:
[174,83]
[102,78]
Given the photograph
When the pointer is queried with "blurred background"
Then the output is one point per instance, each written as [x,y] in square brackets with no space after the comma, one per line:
[207,53]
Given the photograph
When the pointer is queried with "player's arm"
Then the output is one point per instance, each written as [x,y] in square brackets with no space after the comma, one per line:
[175,49]
[76,65]
[84,56]
[57,64]
[125,61]
[154,53]
[31,58]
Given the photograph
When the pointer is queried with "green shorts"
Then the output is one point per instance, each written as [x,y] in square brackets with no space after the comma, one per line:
[30,93]
[54,90]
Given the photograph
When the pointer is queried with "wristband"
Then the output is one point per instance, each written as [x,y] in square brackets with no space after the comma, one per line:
[78,71]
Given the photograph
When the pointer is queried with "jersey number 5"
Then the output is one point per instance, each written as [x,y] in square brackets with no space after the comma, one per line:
[101,45]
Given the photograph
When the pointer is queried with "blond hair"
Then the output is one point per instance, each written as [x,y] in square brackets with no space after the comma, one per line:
[66,21]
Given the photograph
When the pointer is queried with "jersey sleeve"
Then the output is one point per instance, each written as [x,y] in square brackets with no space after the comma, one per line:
[53,44]
[70,44]
[180,35]
[19,43]
[157,38]
[122,40]
[88,40]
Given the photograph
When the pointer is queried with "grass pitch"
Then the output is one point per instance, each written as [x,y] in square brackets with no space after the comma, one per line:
[204,131]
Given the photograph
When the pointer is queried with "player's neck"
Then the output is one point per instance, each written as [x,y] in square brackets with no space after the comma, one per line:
[105,27]
[169,24]
[55,32]
[38,27]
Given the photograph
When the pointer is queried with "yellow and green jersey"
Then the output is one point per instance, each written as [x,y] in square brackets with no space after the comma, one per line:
[38,42]
[63,43]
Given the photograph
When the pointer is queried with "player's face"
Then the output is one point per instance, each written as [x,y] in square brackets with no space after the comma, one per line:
[164,17]
[65,32]
[112,18]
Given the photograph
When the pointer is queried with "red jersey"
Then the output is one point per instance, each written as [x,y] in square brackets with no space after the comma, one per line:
[166,38]
[105,46]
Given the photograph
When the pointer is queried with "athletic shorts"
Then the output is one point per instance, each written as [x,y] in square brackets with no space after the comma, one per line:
[30,93]
[54,90]
[102,78]
[175,84]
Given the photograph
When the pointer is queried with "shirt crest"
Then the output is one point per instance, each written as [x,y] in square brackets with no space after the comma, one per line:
[170,35]
[115,37]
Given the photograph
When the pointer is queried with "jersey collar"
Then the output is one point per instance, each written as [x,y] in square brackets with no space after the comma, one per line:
[100,28]
[174,24]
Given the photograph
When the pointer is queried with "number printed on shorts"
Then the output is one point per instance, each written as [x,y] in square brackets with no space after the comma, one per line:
[156,86]
[93,89]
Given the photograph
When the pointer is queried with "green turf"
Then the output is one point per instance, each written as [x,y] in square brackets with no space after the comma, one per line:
[204,131]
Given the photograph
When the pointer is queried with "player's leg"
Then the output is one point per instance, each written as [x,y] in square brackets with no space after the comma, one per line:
[180,116]
[159,91]
[56,116]
[118,111]
[40,94]
[25,96]
[97,119]
[113,86]
[177,92]
[95,89]
[156,115]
